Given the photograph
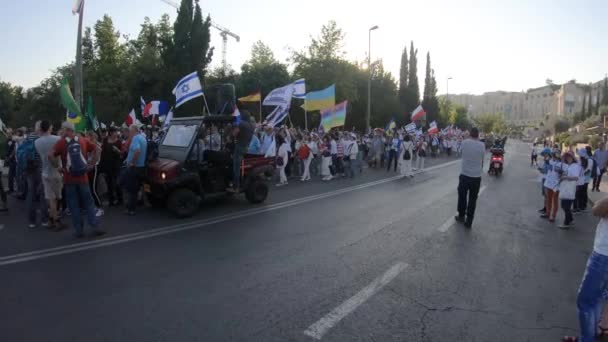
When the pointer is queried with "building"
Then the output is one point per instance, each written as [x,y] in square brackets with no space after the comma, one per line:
[534,105]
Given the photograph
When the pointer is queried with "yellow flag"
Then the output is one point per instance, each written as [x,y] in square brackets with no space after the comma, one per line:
[256,97]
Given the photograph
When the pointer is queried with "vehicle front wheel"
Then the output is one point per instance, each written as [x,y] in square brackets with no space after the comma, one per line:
[183,203]
[256,192]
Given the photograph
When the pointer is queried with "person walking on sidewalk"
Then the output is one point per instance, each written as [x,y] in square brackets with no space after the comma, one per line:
[590,292]
[473,152]
[407,152]
[72,150]
[601,157]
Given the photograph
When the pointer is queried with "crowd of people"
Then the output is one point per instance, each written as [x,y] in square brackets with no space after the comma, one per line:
[565,179]
[339,153]
[57,173]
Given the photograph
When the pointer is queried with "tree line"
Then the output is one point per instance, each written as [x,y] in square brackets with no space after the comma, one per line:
[118,69]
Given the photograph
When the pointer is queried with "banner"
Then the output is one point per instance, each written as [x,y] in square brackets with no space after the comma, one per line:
[410,128]
[321,99]
[334,116]
[280,96]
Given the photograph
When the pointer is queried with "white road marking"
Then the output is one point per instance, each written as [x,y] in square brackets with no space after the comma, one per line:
[76,247]
[322,326]
[451,221]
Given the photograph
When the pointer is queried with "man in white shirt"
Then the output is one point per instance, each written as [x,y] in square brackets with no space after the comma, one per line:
[473,152]
[351,150]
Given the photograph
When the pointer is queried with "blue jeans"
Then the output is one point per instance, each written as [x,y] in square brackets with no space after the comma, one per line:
[130,180]
[35,198]
[590,292]
[79,197]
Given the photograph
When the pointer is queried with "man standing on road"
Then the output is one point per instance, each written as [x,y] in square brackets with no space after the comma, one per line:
[135,167]
[72,149]
[473,152]
[52,182]
[242,133]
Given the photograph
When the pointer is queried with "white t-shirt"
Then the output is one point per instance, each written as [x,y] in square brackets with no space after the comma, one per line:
[552,178]
[283,153]
[333,147]
[600,244]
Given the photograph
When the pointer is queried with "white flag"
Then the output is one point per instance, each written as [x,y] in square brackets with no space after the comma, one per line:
[77,8]
[168,119]
[280,96]
[299,89]
[187,88]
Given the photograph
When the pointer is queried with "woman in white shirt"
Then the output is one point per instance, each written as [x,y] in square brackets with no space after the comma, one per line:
[407,152]
[326,162]
[567,188]
[551,185]
[282,157]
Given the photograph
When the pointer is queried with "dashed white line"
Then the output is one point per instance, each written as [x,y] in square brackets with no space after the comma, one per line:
[323,325]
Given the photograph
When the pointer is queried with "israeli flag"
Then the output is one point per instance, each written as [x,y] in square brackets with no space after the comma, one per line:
[187,88]
[299,89]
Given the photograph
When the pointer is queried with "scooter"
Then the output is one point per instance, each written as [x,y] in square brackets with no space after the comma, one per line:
[496,161]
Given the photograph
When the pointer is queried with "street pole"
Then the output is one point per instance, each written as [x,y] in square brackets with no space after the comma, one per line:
[78,84]
[447,94]
[369,79]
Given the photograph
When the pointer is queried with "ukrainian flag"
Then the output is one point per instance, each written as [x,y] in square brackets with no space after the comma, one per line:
[321,99]
[391,126]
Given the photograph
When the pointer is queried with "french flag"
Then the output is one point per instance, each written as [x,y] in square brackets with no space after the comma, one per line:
[159,108]
[418,113]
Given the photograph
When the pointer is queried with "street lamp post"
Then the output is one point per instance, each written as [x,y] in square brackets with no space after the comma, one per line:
[369,80]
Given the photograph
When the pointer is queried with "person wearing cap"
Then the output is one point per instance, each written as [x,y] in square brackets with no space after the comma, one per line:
[567,187]
[473,152]
[78,194]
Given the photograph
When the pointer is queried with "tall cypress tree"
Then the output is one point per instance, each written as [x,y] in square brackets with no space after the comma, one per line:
[412,82]
[427,78]
[182,36]
[429,100]
[201,54]
[605,95]
[597,102]
[403,74]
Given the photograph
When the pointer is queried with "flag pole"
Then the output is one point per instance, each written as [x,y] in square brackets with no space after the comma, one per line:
[78,84]
[305,115]
[206,106]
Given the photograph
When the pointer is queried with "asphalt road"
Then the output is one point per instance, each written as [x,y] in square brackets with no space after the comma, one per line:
[374,259]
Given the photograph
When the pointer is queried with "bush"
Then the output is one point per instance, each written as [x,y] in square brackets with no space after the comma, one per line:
[594,141]
[579,139]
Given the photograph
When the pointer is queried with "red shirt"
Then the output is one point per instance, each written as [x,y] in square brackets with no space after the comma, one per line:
[60,149]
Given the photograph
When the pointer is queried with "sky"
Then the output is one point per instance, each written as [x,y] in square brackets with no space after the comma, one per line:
[483,45]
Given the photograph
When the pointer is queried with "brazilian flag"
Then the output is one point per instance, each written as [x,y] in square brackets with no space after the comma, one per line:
[73,115]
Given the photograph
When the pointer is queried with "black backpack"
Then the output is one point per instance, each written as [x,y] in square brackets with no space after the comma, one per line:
[407,155]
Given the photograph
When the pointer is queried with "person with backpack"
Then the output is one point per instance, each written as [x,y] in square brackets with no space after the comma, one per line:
[72,149]
[407,152]
[30,165]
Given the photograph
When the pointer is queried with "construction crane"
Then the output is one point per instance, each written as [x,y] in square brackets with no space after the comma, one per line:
[224,33]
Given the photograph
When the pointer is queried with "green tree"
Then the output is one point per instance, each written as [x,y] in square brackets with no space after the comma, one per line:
[429,99]
[403,75]
[489,123]
[597,103]
[261,72]
[200,38]
[581,116]
[459,117]
[182,28]
[412,80]
[106,41]
[561,126]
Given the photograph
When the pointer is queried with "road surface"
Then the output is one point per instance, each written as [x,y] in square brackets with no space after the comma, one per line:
[374,259]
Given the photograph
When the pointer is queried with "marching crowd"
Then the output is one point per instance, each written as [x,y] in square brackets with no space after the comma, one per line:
[57,172]
[336,153]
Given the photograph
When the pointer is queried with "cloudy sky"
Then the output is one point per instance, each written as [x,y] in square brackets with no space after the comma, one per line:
[484,45]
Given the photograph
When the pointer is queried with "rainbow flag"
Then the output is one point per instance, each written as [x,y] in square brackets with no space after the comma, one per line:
[334,116]
[321,99]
